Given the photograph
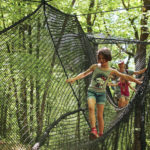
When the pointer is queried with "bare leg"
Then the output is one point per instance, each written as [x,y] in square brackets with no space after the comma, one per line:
[126,102]
[100,110]
[119,103]
[91,107]
[123,102]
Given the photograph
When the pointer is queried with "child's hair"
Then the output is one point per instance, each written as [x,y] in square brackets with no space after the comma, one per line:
[105,52]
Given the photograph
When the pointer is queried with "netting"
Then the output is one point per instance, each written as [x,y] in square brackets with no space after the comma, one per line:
[38,108]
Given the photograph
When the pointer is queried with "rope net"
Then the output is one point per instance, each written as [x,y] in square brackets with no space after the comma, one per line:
[38,108]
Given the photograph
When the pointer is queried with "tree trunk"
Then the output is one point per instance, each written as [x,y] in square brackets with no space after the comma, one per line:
[3,113]
[89,17]
[23,105]
[37,81]
[31,81]
[14,87]
[46,88]
[140,62]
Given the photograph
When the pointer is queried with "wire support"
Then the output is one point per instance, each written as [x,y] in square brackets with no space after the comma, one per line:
[114,40]
[119,9]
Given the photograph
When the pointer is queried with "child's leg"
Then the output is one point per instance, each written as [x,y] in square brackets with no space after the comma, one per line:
[125,103]
[121,101]
[91,107]
[100,110]
[126,100]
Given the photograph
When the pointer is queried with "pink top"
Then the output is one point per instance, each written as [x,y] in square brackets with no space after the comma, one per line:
[124,88]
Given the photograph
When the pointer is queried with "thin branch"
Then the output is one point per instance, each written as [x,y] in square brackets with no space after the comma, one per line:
[73,2]
[131,20]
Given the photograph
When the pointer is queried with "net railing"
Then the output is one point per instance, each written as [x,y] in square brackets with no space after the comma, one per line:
[35,54]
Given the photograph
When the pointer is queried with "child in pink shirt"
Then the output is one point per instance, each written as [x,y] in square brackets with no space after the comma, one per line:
[124,87]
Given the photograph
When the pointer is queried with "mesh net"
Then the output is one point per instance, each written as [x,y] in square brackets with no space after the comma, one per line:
[38,108]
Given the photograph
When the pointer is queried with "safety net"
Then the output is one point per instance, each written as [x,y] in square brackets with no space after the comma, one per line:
[38,108]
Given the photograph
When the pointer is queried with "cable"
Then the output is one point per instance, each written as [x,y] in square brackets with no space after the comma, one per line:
[115,40]
[112,10]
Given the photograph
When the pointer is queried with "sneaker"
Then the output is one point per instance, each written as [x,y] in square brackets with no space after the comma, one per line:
[93,134]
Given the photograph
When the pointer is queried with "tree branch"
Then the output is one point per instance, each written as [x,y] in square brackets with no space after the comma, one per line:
[131,20]
[88,19]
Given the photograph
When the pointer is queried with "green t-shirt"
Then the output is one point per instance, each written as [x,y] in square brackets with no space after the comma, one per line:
[99,80]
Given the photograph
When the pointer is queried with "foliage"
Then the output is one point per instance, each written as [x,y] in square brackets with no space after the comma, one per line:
[14,73]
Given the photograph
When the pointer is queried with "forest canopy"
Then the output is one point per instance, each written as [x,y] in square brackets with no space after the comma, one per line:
[42,45]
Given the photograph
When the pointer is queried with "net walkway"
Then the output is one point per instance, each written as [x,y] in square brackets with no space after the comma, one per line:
[38,108]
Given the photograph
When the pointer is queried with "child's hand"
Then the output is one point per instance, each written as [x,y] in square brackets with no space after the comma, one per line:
[141,79]
[139,82]
[71,80]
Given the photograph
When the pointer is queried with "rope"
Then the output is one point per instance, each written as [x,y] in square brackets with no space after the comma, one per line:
[118,9]
[20,21]
[114,40]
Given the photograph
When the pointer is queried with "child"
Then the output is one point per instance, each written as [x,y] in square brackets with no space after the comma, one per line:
[124,86]
[96,94]
[122,69]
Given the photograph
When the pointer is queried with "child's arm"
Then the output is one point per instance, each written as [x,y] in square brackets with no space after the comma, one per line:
[132,88]
[82,75]
[112,84]
[140,71]
[125,76]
